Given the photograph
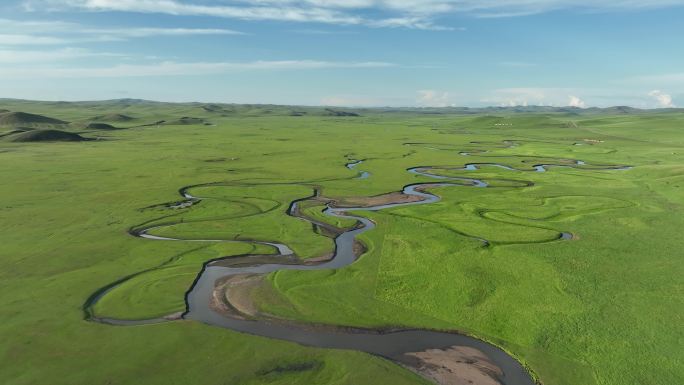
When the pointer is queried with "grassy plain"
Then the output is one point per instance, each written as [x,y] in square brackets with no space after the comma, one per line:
[604,308]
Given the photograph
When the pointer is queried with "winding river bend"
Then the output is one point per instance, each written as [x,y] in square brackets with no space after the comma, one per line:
[395,345]
[423,351]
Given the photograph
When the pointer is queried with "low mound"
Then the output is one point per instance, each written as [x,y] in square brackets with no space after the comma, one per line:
[212,108]
[186,121]
[331,112]
[45,136]
[113,118]
[19,118]
[490,120]
[15,131]
[621,110]
[101,126]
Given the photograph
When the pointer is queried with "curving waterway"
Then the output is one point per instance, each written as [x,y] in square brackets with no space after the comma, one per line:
[362,174]
[398,345]
[392,345]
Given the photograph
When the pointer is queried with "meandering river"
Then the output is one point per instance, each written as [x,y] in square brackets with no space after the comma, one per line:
[399,346]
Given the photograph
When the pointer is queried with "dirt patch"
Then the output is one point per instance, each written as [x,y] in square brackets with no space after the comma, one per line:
[233,295]
[317,260]
[322,228]
[174,316]
[456,365]
[256,260]
[359,248]
[384,199]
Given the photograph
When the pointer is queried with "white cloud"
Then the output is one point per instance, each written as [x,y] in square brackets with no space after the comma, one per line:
[409,22]
[663,99]
[510,97]
[35,26]
[388,13]
[574,101]
[146,32]
[284,12]
[47,56]
[433,98]
[19,33]
[559,97]
[537,96]
[22,39]
[179,69]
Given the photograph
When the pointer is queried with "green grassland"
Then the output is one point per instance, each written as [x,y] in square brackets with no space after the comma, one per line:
[603,308]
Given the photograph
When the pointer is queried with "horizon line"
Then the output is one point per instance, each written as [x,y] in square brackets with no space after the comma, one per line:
[344,106]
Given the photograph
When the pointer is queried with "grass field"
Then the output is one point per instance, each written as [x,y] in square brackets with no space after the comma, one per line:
[603,308]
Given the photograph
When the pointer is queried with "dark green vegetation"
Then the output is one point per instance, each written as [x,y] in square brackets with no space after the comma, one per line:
[113,118]
[604,308]
[26,119]
[37,135]
[186,121]
[100,126]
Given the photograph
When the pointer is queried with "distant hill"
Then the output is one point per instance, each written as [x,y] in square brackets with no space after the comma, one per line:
[100,126]
[44,136]
[618,110]
[26,119]
[123,102]
[112,118]
[15,131]
[331,112]
[117,110]
[488,119]
[212,108]
[186,120]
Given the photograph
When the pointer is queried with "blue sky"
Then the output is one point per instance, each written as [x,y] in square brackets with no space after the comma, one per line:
[346,52]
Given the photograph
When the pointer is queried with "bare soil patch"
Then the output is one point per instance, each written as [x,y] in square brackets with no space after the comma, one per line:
[384,199]
[457,365]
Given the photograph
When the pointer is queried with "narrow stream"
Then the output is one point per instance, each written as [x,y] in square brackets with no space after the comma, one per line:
[351,165]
